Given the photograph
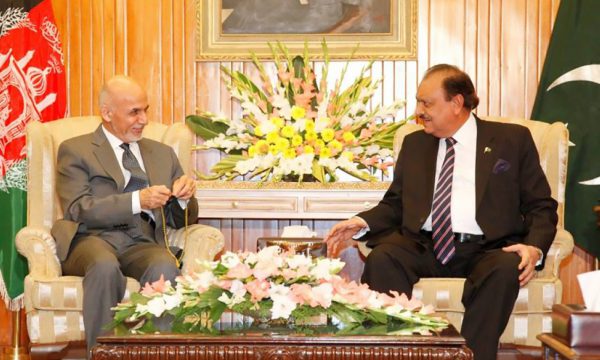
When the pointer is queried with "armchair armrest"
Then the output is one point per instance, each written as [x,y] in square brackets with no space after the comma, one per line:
[561,248]
[203,243]
[39,247]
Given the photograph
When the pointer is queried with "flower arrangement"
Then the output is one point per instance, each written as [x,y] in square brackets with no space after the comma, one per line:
[272,285]
[294,125]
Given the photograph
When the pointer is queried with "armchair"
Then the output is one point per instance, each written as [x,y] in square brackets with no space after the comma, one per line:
[532,312]
[53,303]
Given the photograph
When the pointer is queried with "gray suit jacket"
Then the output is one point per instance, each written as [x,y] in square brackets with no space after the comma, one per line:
[90,187]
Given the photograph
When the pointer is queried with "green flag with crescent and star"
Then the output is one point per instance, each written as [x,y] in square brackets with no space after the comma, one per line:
[569,91]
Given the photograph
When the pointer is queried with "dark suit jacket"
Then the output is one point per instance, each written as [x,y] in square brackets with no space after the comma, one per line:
[513,198]
[90,187]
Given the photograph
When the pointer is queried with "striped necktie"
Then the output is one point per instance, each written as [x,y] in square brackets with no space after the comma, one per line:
[139,179]
[441,225]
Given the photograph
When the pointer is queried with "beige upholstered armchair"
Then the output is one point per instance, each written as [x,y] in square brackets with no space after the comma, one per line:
[53,302]
[532,312]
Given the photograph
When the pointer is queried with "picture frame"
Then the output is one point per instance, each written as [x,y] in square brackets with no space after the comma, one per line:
[231,29]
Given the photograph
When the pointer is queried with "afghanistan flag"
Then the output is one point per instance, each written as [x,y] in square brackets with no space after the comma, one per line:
[570,92]
[32,88]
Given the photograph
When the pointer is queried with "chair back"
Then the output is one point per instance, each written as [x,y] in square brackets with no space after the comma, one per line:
[551,141]
[43,140]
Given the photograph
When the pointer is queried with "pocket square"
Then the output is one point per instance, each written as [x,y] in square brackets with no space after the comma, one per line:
[501,166]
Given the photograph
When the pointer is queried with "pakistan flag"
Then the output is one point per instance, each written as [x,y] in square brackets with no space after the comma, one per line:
[570,92]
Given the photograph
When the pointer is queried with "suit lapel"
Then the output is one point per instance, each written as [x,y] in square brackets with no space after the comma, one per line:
[429,158]
[484,159]
[106,157]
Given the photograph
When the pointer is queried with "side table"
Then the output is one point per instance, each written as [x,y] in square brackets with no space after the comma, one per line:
[553,348]
[448,345]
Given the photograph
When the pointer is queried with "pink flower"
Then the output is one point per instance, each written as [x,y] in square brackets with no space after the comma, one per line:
[240,271]
[157,287]
[258,289]
[302,294]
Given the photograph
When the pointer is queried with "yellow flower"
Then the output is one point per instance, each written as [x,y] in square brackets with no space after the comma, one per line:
[309,125]
[336,145]
[277,121]
[282,144]
[273,149]
[289,153]
[310,136]
[272,137]
[262,147]
[297,140]
[325,153]
[258,132]
[298,112]
[288,131]
[327,134]
[252,151]
[348,137]
[348,155]
[320,144]
[309,149]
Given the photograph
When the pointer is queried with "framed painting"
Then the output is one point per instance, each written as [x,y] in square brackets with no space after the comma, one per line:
[373,29]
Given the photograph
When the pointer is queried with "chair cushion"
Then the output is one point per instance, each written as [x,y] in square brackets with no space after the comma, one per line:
[530,316]
[63,294]
[55,306]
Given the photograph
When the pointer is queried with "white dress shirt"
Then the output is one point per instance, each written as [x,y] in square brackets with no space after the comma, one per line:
[463,180]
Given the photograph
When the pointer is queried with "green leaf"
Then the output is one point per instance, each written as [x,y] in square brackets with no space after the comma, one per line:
[318,172]
[205,127]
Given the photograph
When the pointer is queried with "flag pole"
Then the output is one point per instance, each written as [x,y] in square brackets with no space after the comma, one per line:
[15,351]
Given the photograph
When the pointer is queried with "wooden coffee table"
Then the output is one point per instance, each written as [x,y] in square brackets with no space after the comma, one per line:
[446,345]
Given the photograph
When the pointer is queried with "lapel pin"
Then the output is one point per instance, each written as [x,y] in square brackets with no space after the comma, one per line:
[487,150]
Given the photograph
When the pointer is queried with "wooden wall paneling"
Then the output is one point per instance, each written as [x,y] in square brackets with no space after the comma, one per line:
[412,76]
[74,34]
[532,62]
[482,75]
[512,58]
[88,56]
[423,34]
[107,9]
[166,54]
[470,38]
[143,50]
[120,37]
[447,33]
[494,83]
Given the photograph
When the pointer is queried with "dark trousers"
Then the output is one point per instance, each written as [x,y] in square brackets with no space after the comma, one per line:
[105,269]
[490,291]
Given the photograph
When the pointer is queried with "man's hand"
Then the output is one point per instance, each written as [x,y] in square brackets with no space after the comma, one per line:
[340,236]
[184,188]
[154,197]
[529,257]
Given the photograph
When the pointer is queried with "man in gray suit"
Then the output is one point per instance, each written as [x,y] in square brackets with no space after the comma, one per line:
[116,188]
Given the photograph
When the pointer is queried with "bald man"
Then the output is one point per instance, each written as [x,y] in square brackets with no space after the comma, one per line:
[112,186]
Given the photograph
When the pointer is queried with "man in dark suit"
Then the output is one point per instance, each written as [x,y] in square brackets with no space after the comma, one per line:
[115,189]
[468,199]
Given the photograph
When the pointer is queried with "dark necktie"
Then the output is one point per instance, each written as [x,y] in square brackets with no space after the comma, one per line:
[139,179]
[441,224]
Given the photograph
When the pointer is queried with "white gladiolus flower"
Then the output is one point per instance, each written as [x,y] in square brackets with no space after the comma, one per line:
[297,261]
[267,127]
[282,307]
[230,260]
[374,302]
[324,292]
[156,306]
[385,153]
[372,149]
[172,301]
